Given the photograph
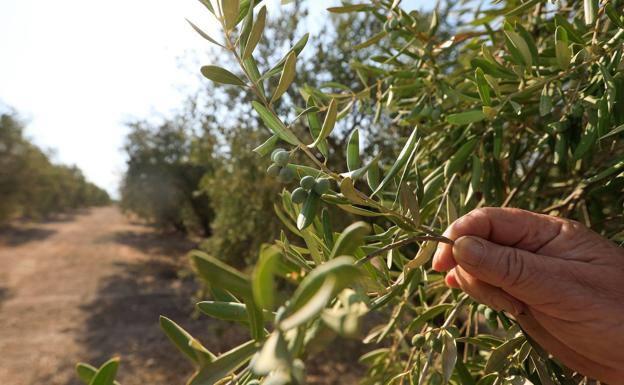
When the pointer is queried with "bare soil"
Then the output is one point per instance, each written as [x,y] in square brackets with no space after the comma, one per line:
[90,286]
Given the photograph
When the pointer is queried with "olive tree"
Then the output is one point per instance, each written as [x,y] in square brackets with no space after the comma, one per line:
[510,104]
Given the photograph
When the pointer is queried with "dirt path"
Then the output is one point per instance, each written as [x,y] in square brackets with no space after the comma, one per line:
[89,287]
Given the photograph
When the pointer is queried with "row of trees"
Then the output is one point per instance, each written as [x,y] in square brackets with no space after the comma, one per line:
[31,185]
[196,172]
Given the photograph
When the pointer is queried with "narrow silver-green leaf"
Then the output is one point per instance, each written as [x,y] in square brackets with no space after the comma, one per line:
[220,275]
[230,12]
[288,75]
[256,33]
[449,356]
[498,358]
[350,239]
[590,9]
[563,52]
[353,150]
[328,123]
[467,117]
[262,279]
[410,146]
[224,364]
[86,372]
[221,75]
[312,307]
[267,147]
[105,375]
[308,211]
[483,87]
[275,124]
[182,340]
[203,34]
[458,160]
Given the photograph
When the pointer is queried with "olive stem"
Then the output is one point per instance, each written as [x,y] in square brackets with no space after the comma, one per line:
[404,242]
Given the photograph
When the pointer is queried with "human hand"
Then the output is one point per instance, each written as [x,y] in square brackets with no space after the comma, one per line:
[562,282]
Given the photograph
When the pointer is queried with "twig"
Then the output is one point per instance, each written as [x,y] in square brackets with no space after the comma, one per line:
[394,245]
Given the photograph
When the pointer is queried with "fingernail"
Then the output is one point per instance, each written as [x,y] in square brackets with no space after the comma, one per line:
[469,250]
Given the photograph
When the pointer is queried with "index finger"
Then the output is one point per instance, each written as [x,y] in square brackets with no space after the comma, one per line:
[505,226]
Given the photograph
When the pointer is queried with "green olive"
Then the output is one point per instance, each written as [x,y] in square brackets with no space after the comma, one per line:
[274,170]
[307,182]
[282,158]
[275,152]
[321,186]
[436,345]
[286,175]
[490,314]
[418,340]
[299,195]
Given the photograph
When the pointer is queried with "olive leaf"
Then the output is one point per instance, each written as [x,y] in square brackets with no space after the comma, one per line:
[86,373]
[297,48]
[458,160]
[224,364]
[449,356]
[590,9]
[483,87]
[273,355]
[203,34]
[105,375]
[221,275]
[353,150]
[275,124]
[328,123]
[350,239]
[288,75]
[185,342]
[312,307]
[221,75]
[562,48]
[262,279]
[255,34]
[466,117]
[308,211]
[268,146]
[410,146]
[498,358]
[230,12]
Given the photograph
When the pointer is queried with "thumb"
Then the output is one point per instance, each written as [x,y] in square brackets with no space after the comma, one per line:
[514,270]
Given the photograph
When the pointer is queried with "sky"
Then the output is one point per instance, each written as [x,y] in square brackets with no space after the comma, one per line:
[76,70]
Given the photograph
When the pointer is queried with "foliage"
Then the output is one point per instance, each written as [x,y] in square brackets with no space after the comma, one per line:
[162,177]
[31,185]
[504,104]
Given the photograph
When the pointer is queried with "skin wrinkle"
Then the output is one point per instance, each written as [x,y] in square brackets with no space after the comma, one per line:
[557,331]
[570,358]
[569,296]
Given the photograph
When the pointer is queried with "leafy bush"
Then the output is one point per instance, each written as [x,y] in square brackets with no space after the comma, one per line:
[31,185]
[510,104]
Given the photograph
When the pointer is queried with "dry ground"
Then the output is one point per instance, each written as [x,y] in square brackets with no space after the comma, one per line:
[90,286]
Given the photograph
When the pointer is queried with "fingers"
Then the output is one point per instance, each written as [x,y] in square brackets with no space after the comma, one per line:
[520,273]
[511,227]
[485,293]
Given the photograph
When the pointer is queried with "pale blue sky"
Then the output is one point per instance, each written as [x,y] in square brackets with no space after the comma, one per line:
[77,69]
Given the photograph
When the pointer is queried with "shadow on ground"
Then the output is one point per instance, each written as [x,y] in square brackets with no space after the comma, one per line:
[4,295]
[123,321]
[172,243]
[16,235]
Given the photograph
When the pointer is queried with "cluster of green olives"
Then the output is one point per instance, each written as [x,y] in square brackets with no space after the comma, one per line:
[279,168]
[309,185]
